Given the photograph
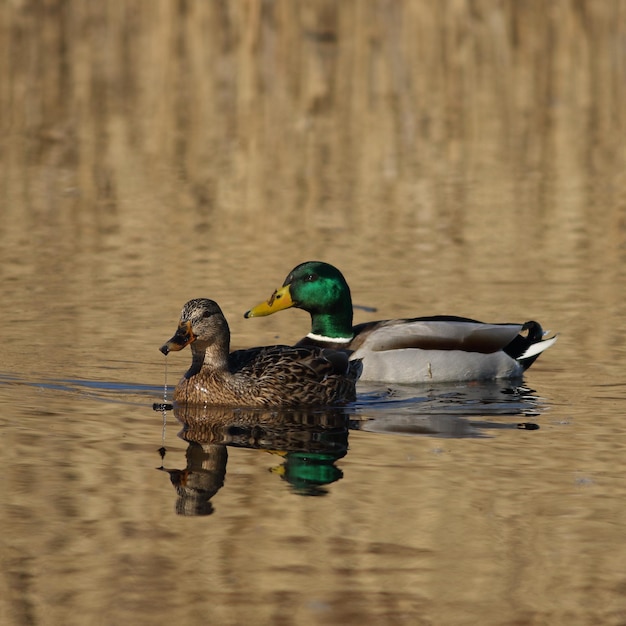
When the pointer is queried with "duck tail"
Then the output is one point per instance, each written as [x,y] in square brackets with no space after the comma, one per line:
[526,347]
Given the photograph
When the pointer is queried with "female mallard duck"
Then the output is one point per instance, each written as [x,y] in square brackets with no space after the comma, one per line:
[422,349]
[259,377]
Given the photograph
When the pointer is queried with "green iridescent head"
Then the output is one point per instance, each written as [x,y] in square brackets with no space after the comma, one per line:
[318,288]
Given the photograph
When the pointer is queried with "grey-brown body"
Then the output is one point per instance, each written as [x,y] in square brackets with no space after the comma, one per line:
[272,376]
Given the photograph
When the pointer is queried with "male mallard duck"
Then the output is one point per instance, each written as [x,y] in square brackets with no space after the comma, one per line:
[259,377]
[422,349]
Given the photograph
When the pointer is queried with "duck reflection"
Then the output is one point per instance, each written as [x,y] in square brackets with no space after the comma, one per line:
[445,410]
[308,443]
[200,480]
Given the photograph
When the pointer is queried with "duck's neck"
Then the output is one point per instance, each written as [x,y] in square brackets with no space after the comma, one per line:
[335,325]
[213,357]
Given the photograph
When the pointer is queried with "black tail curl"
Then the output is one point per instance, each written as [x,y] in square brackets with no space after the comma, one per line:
[531,333]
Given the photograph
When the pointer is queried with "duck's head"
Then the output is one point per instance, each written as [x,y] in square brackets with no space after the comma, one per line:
[202,322]
[314,286]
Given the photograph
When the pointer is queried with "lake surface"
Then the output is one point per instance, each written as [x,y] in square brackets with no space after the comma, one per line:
[462,158]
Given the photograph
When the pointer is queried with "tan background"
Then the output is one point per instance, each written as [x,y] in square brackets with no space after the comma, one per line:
[450,157]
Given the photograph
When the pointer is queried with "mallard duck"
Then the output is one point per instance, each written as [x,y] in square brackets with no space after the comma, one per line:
[277,376]
[422,349]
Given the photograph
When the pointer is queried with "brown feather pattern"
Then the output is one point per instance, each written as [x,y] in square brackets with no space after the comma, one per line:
[272,376]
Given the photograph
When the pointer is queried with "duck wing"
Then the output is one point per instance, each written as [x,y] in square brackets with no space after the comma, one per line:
[312,362]
[241,359]
[434,333]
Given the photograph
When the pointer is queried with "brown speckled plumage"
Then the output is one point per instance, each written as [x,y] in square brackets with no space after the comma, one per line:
[272,376]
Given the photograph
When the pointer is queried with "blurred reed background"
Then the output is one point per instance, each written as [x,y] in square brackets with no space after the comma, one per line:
[160,145]
[457,156]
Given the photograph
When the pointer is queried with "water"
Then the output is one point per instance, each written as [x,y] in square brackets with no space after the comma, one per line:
[459,160]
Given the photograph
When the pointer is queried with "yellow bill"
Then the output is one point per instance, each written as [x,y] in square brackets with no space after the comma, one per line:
[280,299]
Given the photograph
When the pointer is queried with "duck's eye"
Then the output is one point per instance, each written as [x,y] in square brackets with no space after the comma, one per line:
[206,314]
[309,278]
